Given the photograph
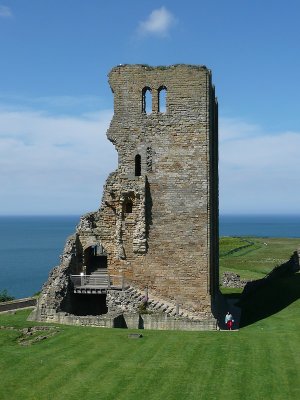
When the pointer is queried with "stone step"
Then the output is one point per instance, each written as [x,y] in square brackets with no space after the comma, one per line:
[104,270]
[159,306]
[99,273]
[101,269]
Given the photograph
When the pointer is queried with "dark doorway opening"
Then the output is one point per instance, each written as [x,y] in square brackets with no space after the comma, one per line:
[128,207]
[95,258]
[88,304]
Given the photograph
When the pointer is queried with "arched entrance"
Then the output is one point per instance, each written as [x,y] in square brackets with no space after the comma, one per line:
[91,285]
[94,258]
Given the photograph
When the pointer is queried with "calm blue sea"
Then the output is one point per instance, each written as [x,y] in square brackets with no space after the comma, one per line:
[260,225]
[30,246]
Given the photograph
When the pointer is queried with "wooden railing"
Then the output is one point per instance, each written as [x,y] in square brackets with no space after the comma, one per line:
[106,281]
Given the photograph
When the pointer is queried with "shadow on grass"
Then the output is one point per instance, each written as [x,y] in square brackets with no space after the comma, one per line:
[270,297]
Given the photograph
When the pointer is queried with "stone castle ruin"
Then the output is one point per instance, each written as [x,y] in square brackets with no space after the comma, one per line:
[148,257]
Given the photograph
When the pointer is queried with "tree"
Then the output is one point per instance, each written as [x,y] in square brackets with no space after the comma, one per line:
[4,296]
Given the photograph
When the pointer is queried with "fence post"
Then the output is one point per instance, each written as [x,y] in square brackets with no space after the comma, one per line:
[122,281]
[108,283]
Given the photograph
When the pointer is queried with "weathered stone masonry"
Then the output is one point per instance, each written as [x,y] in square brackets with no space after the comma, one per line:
[157,226]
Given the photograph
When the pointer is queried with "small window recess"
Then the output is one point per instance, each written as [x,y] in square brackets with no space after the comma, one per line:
[162,99]
[128,207]
[137,165]
[147,100]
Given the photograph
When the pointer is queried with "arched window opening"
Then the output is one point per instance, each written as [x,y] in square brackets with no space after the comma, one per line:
[162,99]
[147,100]
[128,207]
[138,165]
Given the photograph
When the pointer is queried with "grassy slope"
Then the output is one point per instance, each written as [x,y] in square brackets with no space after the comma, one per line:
[255,261]
[258,362]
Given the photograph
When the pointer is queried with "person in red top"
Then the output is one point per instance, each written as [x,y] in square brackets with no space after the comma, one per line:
[229,321]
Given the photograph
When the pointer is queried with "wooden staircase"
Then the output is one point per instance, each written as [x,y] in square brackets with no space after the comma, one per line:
[96,283]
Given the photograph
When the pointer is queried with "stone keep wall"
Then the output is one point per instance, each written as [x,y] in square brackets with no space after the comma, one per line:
[180,200]
[158,219]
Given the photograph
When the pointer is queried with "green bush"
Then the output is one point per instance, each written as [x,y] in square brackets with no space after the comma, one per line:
[4,296]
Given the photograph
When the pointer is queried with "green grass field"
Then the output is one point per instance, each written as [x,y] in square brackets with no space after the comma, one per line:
[260,361]
[256,260]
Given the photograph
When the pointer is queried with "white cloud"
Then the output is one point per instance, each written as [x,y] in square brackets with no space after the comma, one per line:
[58,104]
[53,164]
[58,164]
[233,128]
[5,12]
[258,170]
[158,23]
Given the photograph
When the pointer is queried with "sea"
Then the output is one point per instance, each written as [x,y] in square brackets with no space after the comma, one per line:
[30,246]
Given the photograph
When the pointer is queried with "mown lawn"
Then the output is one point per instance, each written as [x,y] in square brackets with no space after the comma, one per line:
[261,361]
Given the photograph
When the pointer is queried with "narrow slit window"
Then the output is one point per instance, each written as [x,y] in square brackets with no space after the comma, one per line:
[147,100]
[162,99]
[138,165]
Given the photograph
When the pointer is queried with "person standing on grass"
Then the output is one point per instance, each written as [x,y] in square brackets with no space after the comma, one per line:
[229,321]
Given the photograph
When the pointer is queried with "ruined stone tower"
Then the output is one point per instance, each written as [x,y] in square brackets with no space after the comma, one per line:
[153,244]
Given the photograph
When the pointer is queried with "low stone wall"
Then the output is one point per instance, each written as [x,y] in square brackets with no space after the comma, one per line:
[18,304]
[227,253]
[102,321]
[165,322]
[133,320]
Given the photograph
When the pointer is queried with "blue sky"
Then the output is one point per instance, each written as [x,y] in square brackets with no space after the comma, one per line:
[56,104]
